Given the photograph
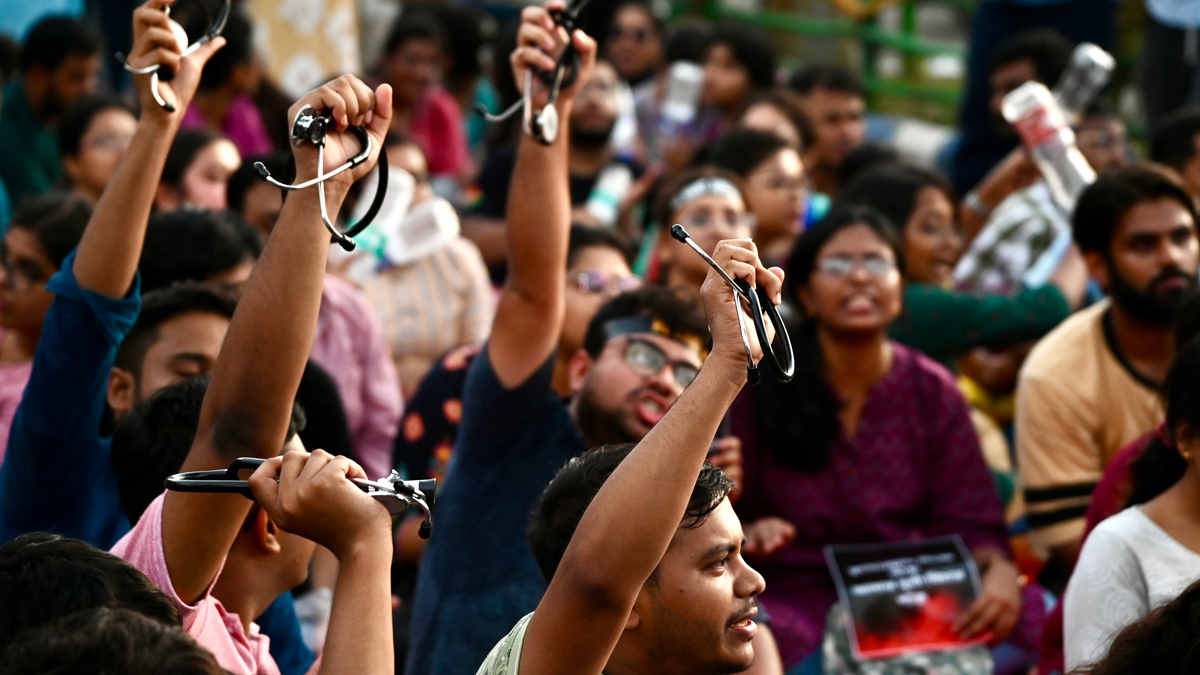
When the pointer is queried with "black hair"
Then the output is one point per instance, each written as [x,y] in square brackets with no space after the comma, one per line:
[662,204]
[827,76]
[744,150]
[194,245]
[1174,140]
[238,50]
[564,501]
[1167,640]
[54,38]
[44,577]
[9,57]
[246,177]
[57,219]
[679,314]
[162,305]
[152,441]
[1105,202]
[686,41]
[799,420]
[465,31]
[585,236]
[187,144]
[646,7]
[415,25]
[791,105]
[76,120]
[892,190]
[1159,466]
[863,158]
[103,640]
[750,48]
[1045,48]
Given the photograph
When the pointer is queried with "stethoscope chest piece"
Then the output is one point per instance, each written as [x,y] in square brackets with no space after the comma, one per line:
[545,125]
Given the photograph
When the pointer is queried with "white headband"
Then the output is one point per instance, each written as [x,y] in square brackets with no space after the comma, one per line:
[703,187]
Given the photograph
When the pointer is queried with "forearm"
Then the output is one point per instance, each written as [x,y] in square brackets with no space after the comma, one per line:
[628,526]
[359,641]
[111,246]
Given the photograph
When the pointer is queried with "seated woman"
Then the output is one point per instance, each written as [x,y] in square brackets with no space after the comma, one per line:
[775,187]
[1163,641]
[870,443]
[197,170]
[1144,556]
[711,204]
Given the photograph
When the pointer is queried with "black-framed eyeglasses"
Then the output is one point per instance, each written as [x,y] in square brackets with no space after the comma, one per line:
[29,272]
[649,359]
[844,265]
[590,282]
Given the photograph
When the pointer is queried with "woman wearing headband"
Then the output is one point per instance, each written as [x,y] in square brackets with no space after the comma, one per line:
[708,202]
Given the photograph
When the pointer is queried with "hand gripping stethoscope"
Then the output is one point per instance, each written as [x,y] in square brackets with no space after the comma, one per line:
[310,127]
[542,125]
[393,492]
[759,302]
[161,71]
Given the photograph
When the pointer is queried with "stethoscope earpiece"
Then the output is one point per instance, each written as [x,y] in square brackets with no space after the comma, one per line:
[759,304]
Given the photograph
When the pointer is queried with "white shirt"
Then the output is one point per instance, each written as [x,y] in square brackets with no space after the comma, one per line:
[1128,567]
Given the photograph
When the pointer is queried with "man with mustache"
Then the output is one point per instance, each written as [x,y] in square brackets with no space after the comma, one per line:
[1090,387]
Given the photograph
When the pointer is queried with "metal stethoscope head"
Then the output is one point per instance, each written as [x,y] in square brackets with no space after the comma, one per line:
[542,125]
[758,303]
[310,128]
[161,71]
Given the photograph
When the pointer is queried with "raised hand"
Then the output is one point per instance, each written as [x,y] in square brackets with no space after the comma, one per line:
[739,259]
[540,42]
[155,43]
[767,535]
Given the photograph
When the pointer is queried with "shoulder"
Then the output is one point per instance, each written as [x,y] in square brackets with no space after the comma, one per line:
[1117,536]
[1071,347]
[931,377]
[505,657]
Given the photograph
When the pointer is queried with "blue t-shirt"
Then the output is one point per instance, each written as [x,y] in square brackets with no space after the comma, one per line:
[57,474]
[478,576]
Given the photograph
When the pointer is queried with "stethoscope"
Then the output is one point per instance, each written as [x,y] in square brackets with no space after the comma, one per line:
[309,127]
[393,492]
[542,125]
[161,71]
[759,303]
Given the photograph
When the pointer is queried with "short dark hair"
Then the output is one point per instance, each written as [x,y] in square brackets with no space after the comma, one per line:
[162,305]
[103,640]
[686,41]
[187,144]
[57,219]
[238,50]
[76,120]
[744,150]
[827,76]
[193,245]
[863,158]
[44,577]
[54,38]
[152,441]
[564,501]
[585,236]
[750,48]
[1104,203]
[246,176]
[1174,140]
[662,203]
[1163,641]
[1046,48]
[680,315]
[414,25]
[892,189]
[791,105]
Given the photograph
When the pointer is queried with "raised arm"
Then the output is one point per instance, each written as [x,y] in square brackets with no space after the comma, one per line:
[530,312]
[253,387]
[625,531]
[108,254]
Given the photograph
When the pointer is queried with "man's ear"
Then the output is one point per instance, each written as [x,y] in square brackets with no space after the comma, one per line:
[122,391]
[1097,267]
[578,368]
[266,533]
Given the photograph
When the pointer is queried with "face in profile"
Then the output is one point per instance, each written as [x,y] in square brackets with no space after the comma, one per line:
[855,287]
[932,242]
[101,148]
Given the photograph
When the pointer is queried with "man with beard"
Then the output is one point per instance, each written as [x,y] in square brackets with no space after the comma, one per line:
[478,576]
[60,64]
[598,179]
[1090,386]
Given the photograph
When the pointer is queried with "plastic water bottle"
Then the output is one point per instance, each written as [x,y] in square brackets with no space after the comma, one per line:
[1033,112]
[681,99]
[604,202]
[1089,70]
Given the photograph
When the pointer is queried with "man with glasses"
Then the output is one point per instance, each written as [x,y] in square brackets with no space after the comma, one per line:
[478,576]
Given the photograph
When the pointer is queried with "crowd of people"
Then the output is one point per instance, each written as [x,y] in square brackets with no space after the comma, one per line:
[972,358]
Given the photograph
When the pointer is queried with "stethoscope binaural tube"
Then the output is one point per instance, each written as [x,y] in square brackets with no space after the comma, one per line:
[161,71]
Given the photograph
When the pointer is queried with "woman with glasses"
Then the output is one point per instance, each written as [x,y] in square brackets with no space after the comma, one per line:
[711,204]
[92,138]
[870,443]
[774,186]
[41,234]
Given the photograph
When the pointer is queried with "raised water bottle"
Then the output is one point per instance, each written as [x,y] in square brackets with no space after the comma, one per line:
[1033,112]
[1089,70]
